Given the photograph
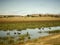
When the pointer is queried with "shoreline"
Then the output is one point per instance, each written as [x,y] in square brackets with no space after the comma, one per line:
[45,40]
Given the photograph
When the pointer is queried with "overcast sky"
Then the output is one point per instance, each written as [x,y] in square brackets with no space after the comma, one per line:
[29,6]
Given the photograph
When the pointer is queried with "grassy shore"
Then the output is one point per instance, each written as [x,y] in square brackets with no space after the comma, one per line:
[53,39]
[48,40]
[20,23]
[27,24]
[54,31]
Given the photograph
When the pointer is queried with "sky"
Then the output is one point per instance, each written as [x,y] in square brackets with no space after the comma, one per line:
[23,7]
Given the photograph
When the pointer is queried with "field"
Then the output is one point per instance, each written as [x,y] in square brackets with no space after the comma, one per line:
[24,25]
[18,19]
[21,23]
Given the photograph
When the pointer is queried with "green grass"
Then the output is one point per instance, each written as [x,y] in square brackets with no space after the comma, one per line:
[54,31]
[27,24]
[8,40]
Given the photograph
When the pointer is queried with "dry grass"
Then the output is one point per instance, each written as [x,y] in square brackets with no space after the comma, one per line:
[49,40]
[13,19]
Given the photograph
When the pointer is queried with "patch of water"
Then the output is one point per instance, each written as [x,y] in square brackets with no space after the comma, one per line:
[34,33]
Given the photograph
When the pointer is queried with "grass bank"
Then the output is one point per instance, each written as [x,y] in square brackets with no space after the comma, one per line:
[48,40]
[54,31]
[27,24]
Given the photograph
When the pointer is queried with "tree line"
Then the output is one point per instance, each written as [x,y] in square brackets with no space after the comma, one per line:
[32,15]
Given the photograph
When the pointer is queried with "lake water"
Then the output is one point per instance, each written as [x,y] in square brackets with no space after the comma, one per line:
[34,33]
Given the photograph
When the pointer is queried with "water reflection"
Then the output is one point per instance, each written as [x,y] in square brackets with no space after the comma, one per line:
[17,37]
[34,33]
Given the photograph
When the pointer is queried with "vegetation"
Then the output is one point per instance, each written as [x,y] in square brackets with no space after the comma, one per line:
[54,31]
[8,40]
[32,15]
[29,21]
[28,24]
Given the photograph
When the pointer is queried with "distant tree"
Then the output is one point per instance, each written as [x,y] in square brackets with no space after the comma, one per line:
[56,16]
[40,15]
[4,16]
[28,15]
